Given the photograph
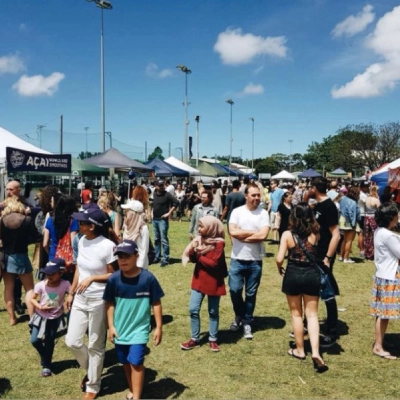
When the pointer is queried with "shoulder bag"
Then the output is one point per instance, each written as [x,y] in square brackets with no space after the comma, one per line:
[326,289]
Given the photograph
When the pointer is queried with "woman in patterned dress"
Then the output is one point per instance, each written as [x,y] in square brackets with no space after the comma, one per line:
[385,304]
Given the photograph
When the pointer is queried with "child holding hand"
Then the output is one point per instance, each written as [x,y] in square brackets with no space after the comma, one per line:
[48,300]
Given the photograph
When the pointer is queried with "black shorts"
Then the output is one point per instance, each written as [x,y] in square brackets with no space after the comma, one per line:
[301,279]
[361,223]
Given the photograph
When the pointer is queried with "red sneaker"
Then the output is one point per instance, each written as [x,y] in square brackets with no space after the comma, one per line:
[191,344]
[214,346]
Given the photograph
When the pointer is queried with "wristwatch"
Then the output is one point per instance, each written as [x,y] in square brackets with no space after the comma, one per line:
[329,257]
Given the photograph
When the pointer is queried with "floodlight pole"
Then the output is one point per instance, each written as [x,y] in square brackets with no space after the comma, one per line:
[231,103]
[197,119]
[186,71]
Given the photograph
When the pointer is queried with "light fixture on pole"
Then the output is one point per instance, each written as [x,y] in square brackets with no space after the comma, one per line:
[103,5]
[187,71]
[290,160]
[197,119]
[252,143]
[231,103]
[86,128]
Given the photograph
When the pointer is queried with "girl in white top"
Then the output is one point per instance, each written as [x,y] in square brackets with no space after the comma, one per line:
[385,303]
[94,266]
[135,228]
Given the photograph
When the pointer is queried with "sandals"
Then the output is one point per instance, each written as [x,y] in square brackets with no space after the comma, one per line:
[319,366]
[291,353]
[46,373]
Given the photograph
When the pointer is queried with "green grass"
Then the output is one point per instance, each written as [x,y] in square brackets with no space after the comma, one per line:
[243,369]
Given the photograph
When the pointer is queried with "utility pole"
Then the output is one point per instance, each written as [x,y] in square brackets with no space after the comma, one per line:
[61,133]
[39,128]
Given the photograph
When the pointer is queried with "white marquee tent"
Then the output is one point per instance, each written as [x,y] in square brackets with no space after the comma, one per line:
[179,164]
[283,175]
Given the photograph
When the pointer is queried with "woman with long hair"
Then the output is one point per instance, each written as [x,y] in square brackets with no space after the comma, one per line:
[371,205]
[385,302]
[16,230]
[135,229]
[95,264]
[283,214]
[59,223]
[217,196]
[108,203]
[180,196]
[301,280]
[348,222]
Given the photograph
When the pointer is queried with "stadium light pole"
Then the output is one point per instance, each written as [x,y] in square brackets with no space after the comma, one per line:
[290,160]
[231,103]
[103,5]
[252,143]
[186,71]
[197,119]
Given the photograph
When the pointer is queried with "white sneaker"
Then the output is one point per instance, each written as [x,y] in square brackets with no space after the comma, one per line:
[349,261]
[340,258]
[247,332]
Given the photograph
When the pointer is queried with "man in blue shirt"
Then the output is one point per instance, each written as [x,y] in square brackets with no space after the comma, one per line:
[275,199]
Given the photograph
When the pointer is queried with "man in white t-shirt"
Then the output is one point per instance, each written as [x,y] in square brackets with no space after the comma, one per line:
[248,227]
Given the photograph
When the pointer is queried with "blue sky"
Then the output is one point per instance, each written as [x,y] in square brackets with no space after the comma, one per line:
[301,68]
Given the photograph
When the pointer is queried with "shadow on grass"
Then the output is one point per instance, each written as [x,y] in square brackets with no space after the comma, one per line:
[269,255]
[114,381]
[60,366]
[391,343]
[5,386]
[175,261]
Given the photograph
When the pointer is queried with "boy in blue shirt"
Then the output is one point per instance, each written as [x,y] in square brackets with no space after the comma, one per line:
[130,294]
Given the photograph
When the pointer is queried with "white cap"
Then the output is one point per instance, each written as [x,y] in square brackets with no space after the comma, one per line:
[133,205]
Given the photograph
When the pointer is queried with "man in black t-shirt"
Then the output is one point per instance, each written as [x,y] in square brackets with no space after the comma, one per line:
[233,200]
[327,216]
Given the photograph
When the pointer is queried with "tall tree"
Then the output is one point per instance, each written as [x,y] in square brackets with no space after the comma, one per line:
[157,153]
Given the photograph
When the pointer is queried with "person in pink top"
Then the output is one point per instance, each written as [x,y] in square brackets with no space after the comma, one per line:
[48,300]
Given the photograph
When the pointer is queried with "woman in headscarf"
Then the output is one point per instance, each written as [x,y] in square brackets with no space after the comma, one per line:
[207,252]
[135,228]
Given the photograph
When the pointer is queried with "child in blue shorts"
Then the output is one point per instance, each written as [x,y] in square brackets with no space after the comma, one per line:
[130,294]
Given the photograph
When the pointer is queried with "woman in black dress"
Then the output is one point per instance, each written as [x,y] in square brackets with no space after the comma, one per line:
[284,210]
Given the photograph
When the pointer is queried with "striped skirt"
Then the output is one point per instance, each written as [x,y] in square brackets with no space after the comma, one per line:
[385,301]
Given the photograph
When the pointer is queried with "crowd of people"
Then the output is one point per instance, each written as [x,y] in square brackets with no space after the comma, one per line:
[95,257]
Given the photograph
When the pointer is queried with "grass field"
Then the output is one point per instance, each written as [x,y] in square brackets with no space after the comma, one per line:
[243,369]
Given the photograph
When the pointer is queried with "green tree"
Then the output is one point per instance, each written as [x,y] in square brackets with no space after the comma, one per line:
[157,153]
[87,154]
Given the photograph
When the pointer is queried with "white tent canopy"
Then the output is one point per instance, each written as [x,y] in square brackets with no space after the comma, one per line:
[8,139]
[283,175]
[179,164]
[393,165]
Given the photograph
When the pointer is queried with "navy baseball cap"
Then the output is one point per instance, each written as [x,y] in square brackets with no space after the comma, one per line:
[53,266]
[127,247]
[91,215]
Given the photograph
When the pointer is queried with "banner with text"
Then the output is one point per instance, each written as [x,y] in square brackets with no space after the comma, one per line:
[22,160]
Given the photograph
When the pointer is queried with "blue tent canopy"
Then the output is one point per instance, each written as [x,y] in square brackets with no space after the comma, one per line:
[381,180]
[309,173]
[164,169]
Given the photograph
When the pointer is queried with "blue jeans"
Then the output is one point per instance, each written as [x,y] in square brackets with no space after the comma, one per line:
[196,298]
[245,273]
[45,347]
[160,230]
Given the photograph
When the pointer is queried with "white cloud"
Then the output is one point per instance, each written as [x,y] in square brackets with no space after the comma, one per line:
[38,85]
[354,23]
[382,76]
[153,71]
[251,90]
[235,47]
[11,64]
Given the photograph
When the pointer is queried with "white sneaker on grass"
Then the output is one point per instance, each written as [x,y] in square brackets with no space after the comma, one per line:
[348,261]
[247,332]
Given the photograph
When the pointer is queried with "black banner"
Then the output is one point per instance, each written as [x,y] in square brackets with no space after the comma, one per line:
[22,160]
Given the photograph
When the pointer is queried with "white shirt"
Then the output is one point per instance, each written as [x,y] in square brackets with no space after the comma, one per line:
[170,189]
[93,257]
[248,220]
[386,253]
[361,202]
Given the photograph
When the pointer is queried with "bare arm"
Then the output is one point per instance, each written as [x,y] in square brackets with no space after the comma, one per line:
[112,332]
[224,212]
[280,257]
[46,239]
[334,229]
[157,311]
[259,236]
[82,286]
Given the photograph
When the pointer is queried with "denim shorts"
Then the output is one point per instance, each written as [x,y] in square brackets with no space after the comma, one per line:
[301,279]
[131,353]
[16,263]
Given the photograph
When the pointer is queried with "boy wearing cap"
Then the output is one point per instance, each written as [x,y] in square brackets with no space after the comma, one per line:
[49,311]
[130,294]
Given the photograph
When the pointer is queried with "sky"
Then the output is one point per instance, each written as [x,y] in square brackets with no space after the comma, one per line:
[301,68]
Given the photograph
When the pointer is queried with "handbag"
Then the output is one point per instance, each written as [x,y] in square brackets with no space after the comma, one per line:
[326,291]
[64,250]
